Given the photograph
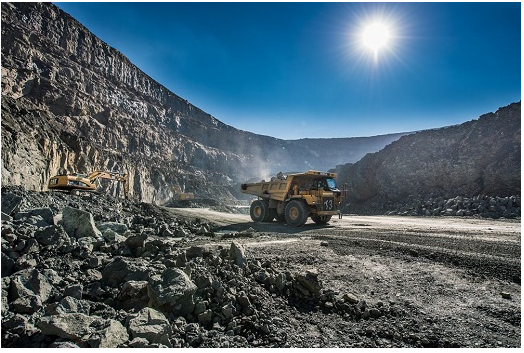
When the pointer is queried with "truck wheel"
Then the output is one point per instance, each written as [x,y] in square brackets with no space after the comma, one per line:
[259,211]
[296,213]
[321,219]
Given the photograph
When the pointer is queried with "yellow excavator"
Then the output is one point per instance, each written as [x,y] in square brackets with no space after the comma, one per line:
[76,183]
[181,196]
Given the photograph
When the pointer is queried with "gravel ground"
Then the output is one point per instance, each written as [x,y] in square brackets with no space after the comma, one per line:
[377,281]
[437,282]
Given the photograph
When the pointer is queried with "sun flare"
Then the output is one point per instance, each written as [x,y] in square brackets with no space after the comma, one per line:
[376,36]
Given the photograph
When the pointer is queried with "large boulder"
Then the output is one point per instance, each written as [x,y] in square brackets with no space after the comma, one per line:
[119,228]
[85,330]
[45,213]
[54,236]
[73,326]
[136,243]
[133,295]
[10,203]
[172,291]
[29,283]
[151,325]
[237,254]
[79,224]
[123,269]
[69,305]
[111,335]
[308,283]
[8,265]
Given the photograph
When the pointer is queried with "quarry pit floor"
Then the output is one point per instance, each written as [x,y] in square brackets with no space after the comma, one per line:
[455,282]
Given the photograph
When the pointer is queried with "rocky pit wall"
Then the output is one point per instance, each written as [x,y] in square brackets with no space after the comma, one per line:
[70,101]
[468,169]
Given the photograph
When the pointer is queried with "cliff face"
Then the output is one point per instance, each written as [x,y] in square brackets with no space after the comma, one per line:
[480,157]
[71,101]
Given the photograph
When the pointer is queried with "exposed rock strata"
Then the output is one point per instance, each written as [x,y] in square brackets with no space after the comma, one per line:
[70,101]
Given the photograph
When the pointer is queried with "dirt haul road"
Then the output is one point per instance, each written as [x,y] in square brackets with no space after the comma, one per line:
[421,282]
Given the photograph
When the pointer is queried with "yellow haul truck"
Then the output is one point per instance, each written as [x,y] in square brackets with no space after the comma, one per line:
[295,198]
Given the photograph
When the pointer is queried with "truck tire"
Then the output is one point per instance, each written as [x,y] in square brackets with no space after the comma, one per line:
[296,213]
[321,219]
[259,211]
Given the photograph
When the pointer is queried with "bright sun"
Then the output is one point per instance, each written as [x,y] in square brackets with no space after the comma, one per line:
[375,36]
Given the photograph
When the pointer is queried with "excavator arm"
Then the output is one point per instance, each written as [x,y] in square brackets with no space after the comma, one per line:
[101,174]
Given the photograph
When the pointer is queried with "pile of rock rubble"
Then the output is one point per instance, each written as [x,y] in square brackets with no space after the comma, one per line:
[101,272]
[480,206]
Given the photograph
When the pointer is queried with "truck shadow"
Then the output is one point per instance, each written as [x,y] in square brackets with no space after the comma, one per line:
[270,227]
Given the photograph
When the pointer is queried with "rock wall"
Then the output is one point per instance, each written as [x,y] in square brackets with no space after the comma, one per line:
[475,160]
[70,101]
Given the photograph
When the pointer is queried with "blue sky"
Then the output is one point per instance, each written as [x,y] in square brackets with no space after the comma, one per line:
[300,70]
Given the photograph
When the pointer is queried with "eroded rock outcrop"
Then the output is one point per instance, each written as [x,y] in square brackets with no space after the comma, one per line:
[70,101]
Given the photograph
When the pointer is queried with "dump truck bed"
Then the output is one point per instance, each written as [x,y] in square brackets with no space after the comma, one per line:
[275,190]
[278,189]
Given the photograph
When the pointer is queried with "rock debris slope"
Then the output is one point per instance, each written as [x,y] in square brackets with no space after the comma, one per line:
[103,272]
[71,101]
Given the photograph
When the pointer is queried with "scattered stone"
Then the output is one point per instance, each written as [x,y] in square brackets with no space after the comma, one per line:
[506,295]
[150,325]
[350,298]
[308,283]
[237,254]
[205,298]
